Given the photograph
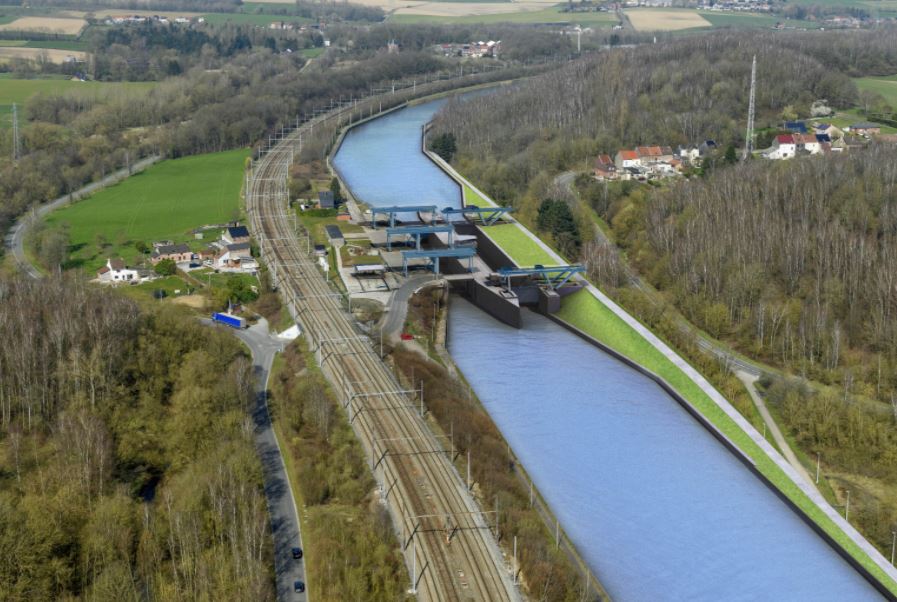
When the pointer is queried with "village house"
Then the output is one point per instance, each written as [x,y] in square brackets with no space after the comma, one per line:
[235,235]
[115,271]
[865,128]
[807,143]
[627,158]
[783,147]
[234,255]
[178,253]
[325,199]
[605,168]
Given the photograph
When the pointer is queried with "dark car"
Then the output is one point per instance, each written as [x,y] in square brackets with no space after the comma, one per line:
[297,553]
[299,587]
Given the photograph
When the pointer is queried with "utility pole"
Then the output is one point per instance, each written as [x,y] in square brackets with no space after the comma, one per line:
[893,545]
[749,136]
[817,468]
[847,507]
[15,132]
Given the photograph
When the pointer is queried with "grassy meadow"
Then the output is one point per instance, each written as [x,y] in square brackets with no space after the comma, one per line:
[547,15]
[164,202]
[886,86]
[18,91]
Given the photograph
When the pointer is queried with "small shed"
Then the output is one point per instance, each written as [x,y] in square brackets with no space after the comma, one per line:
[325,199]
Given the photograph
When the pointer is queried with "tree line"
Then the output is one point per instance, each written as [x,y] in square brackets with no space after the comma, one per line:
[127,468]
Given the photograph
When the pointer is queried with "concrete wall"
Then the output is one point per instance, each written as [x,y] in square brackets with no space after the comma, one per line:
[503,310]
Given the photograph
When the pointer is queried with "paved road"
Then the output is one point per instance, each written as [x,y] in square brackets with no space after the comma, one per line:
[394,319]
[281,504]
[15,239]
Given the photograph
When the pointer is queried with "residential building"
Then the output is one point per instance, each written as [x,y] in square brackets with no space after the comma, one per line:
[325,199]
[796,127]
[865,128]
[177,253]
[116,271]
[806,143]
[233,255]
[627,158]
[783,147]
[234,235]
[605,168]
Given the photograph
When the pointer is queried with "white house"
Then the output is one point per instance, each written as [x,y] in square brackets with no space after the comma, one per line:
[116,271]
[807,143]
[784,147]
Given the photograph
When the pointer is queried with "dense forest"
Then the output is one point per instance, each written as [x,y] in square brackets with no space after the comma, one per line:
[127,469]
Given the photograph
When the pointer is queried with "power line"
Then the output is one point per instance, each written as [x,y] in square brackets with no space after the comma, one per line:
[749,136]
[15,132]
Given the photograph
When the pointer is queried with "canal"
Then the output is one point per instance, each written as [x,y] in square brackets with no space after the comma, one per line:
[658,508]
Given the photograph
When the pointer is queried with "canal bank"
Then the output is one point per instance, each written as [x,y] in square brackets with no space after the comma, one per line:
[624,339]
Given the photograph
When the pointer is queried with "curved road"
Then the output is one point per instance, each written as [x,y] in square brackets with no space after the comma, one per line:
[15,238]
[281,504]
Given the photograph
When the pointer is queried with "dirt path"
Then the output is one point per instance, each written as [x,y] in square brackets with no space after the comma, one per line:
[750,383]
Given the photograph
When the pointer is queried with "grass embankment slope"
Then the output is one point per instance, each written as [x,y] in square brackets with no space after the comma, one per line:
[587,313]
[164,202]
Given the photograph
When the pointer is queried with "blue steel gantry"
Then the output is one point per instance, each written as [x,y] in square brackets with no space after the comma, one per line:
[391,212]
[434,255]
[489,215]
[417,232]
[553,277]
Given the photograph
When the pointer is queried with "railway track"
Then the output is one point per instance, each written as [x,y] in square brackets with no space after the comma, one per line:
[447,541]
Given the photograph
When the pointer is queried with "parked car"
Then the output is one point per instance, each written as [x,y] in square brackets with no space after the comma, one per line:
[297,553]
[299,587]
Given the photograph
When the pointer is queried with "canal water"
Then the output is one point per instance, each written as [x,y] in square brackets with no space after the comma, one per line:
[658,508]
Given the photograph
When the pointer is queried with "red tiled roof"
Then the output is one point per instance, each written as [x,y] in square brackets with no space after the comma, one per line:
[649,151]
[103,270]
[785,139]
[629,155]
[604,161]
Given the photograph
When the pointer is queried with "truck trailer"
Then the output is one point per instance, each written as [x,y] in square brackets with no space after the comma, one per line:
[229,320]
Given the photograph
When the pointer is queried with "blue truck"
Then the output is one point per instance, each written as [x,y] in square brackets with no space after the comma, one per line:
[229,320]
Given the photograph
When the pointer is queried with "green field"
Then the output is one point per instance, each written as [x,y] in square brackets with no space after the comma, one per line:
[886,86]
[548,15]
[252,18]
[163,203]
[312,53]
[19,91]
[740,20]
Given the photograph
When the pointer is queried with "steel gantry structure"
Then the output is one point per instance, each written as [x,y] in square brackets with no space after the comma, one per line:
[453,554]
